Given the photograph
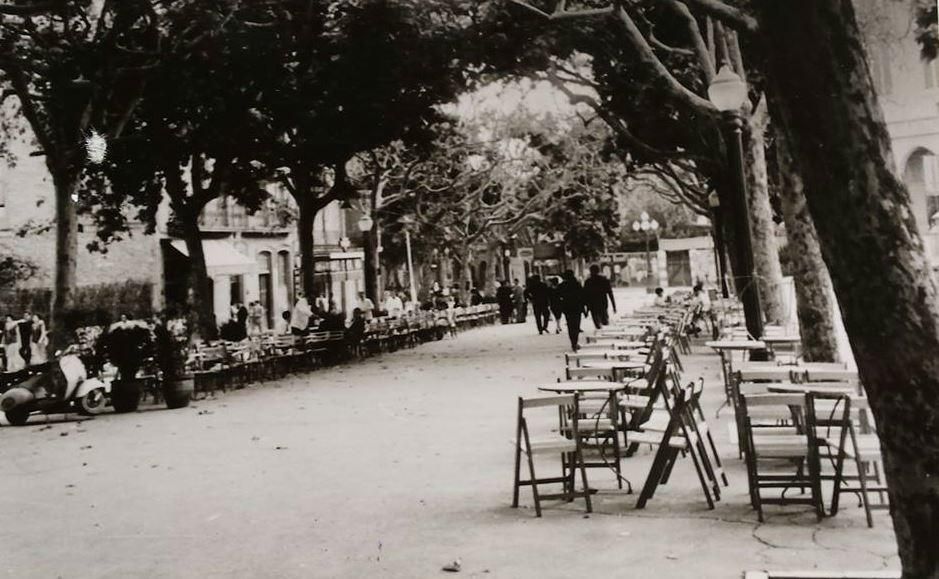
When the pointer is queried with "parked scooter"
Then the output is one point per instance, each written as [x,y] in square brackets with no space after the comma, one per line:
[58,386]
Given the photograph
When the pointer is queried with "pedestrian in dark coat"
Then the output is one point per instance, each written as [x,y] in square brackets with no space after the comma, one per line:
[574,306]
[540,297]
[504,299]
[556,307]
[521,306]
[598,289]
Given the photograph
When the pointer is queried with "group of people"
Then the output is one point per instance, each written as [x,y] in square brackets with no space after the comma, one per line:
[564,297]
[25,340]
[244,321]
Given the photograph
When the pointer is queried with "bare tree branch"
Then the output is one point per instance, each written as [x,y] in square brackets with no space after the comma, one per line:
[650,61]
[733,17]
[561,12]
[697,40]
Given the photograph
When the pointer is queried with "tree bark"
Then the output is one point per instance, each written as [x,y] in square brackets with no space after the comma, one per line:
[201,305]
[66,255]
[762,226]
[305,219]
[814,305]
[824,100]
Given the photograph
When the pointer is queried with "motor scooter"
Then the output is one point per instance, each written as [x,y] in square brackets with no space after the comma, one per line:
[59,386]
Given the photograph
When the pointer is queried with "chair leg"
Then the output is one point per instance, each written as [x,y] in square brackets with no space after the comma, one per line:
[583,479]
[534,485]
[518,466]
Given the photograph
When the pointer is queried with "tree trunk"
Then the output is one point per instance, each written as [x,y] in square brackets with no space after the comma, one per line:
[305,221]
[815,308]
[762,226]
[66,255]
[825,103]
[201,304]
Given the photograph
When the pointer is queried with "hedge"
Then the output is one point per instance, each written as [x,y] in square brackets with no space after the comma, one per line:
[94,305]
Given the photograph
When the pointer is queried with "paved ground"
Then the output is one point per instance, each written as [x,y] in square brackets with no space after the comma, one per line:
[387,468]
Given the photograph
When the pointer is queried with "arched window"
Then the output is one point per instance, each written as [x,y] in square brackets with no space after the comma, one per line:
[921,175]
[285,269]
[266,285]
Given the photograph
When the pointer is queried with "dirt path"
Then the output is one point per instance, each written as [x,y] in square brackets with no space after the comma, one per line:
[387,468]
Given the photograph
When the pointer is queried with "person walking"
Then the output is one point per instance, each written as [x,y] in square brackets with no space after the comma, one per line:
[504,299]
[557,309]
[25,328]
[574,306]
[521,306]
[11,345]
[597,290]
[40,340]
[256,316]
[537,293]
[300,319]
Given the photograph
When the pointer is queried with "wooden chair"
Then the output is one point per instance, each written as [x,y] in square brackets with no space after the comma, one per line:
[682,435]
[568,449]
[839,441]
[793,447]
[599,429]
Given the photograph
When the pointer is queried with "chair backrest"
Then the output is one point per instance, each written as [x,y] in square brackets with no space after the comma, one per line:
[782,404]
[839,375]
[566,405]
[580,373]
[778,374]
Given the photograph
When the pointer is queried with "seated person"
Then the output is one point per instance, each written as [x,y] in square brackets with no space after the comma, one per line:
[660,300]
[356,330]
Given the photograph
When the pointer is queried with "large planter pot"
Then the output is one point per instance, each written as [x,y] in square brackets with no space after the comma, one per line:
[178,391]
[125,394]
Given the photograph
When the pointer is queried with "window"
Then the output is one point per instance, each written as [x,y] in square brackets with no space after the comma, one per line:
[879,62]
[931,73]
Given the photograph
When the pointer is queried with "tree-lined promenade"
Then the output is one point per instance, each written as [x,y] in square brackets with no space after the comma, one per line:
[201,99]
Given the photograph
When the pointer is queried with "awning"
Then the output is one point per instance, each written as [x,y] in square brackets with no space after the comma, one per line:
[221,257]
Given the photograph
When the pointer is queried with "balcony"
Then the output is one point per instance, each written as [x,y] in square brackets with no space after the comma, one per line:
[267,219]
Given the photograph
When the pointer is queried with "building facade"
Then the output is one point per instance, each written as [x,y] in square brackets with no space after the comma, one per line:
[249,257]
[908,91]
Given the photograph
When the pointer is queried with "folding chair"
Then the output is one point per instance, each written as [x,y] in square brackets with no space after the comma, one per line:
[569,449]
[845,444]
[752,381]
[681,436]
[599,431]
[792,447]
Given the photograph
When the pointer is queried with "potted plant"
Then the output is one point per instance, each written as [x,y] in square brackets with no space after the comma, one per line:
[172,351]
[126,345]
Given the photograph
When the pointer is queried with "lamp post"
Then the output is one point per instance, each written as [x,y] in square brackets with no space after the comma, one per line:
[647,227]
[372,263]
[717,223]
[728,93]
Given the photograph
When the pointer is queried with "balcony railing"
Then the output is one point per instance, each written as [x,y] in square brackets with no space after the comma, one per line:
[265,219]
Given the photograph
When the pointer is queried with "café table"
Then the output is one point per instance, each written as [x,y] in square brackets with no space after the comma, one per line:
[725,349]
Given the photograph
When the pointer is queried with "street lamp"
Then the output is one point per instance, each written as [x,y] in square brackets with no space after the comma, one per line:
[647,227]
[717,223]
[728,93]
[372,263]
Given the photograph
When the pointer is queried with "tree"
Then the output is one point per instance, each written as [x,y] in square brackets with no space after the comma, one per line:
[823,98]
[194,137]
[651,63]
[355,76]
[73,66]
